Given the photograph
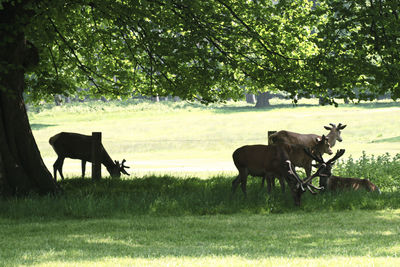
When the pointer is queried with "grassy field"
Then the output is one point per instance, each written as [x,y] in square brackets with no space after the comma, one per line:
[176,208]
[159,221]
[190,139]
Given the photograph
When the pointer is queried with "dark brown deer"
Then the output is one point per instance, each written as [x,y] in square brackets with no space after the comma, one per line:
[264,161]
[79,146]
[299,158]
[333,183]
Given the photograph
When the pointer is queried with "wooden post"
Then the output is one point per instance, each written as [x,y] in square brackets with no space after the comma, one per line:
[269,134]
[96,155]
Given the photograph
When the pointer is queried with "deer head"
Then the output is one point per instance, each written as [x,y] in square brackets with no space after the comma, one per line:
[297,185]
[116,172]
[322,146]
[334,133]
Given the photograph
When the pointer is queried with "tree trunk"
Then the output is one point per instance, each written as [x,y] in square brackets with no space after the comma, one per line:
[263,100]
[22,169]
[250,98]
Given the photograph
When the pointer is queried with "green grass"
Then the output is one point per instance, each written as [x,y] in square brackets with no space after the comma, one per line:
[172,221]
[190,139]
[185,215]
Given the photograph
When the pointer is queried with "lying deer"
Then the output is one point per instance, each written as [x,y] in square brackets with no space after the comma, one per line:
[264,161]
[332,183]
[79,146]
[299,158]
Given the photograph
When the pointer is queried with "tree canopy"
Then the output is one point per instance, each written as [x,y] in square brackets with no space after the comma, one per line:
[211,50]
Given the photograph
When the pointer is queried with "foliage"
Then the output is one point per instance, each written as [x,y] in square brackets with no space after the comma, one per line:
[214,50]
[383,170]
[191,49]
[358,56]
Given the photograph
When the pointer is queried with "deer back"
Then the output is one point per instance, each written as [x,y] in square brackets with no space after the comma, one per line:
[75,146]
[261,158]
[308,140]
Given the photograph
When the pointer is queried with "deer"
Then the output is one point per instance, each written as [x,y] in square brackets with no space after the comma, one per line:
[299,189]
[299,158]
[334,183]
[79,146]
[266,160]
[307,140]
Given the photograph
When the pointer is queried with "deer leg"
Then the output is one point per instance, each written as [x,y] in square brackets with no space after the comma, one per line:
[235,183]
[269,182]
[282,183]
[83,168]
[262,182]
[57,166]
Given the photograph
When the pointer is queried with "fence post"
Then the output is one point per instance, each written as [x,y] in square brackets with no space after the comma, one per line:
[96,155]
[269,134]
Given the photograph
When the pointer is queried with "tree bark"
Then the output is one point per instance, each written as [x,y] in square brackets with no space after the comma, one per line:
[22,169]
[263,100]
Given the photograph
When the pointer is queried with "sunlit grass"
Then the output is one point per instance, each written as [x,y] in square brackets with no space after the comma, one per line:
[168,136]
[311,239]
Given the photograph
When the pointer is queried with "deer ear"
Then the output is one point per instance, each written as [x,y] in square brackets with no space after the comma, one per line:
[318,139]
[342,127]
[328,128]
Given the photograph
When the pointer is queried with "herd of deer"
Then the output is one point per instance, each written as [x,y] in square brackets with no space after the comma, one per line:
[287,150]
[278,159]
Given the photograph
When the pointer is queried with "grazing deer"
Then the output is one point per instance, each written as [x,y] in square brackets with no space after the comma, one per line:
[332,183]
[264,161]
[79,146]
[299,158]
[307,182]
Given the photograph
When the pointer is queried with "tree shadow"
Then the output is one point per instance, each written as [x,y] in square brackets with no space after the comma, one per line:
[387,140]
[39,126]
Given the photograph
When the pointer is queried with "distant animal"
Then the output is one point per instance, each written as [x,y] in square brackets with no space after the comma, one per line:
[299,158]
[79,146]
[333,183]
[266,160]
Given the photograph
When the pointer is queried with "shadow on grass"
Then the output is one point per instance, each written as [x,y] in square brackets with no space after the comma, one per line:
[365,105]
[39,126]
[254,237]
[387,140]
[157,217]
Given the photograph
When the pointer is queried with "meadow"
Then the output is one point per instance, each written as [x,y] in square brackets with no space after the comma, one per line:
[176,207]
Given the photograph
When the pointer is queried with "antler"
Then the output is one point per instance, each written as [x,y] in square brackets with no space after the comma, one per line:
[332,124]
[122,167]
[295,175]
[302,183]
[338,154]
[317,158]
